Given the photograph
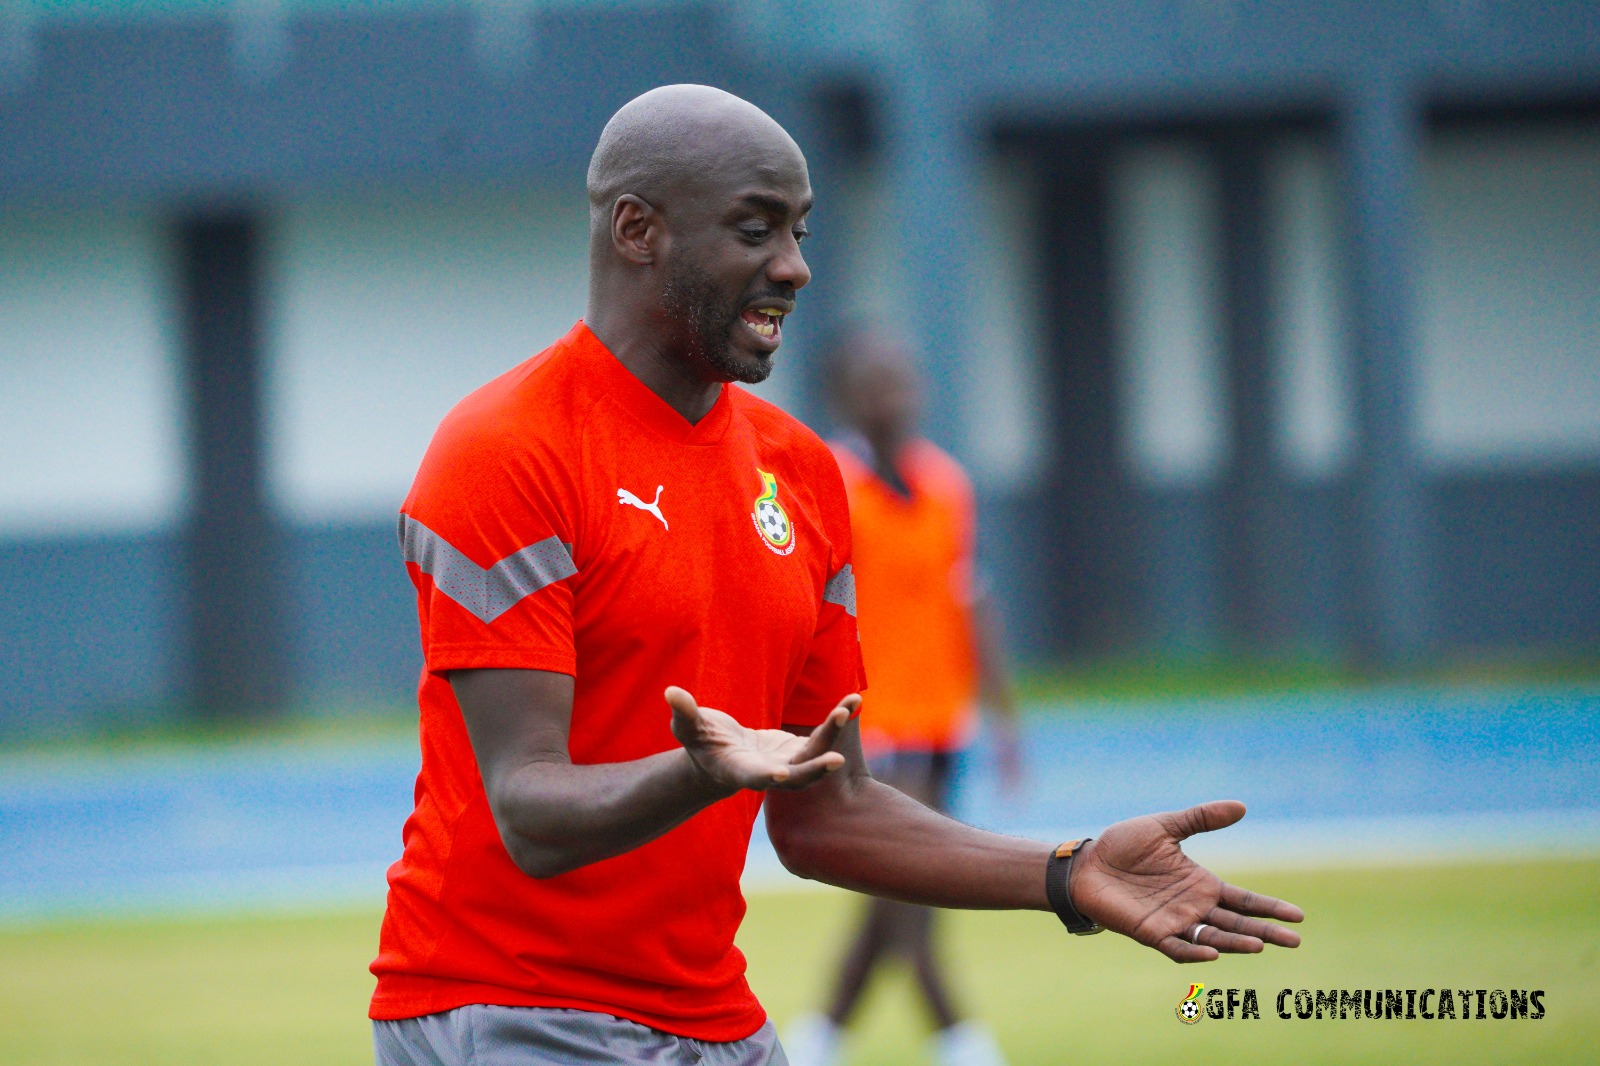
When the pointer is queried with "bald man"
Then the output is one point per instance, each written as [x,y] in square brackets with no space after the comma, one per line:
[614,523]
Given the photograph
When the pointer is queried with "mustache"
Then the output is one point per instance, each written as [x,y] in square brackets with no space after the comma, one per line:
[780,293]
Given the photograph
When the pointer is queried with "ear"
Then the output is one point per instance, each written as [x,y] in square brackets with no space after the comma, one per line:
[637,230]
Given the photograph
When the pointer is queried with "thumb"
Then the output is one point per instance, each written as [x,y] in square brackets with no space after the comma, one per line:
[1203,818]
[685,712]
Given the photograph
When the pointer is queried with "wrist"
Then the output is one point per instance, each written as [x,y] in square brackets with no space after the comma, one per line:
[1080,859]
[1060,872]
[700,783]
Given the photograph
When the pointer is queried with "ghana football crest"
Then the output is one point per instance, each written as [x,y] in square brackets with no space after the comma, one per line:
[1188,1010]
[771,520]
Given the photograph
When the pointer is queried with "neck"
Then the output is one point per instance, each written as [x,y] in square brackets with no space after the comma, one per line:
[885,450]
[665,373]
[886,446]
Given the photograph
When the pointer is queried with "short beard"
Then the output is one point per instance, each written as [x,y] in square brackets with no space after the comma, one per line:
[692,301]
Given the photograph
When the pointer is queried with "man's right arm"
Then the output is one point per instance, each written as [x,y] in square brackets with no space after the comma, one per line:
[555,816]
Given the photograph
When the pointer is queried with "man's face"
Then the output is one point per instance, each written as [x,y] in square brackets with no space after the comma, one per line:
[734,264]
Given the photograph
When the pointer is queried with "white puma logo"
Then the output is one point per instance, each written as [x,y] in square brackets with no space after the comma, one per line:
[624,496]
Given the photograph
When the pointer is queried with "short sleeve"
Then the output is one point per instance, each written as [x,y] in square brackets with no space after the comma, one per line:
[485,545]
[833,667]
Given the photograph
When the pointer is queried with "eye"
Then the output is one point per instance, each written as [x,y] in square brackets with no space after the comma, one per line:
[800,234]
[755,231]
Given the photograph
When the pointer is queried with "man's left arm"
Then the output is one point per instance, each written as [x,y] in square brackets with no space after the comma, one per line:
[858,833]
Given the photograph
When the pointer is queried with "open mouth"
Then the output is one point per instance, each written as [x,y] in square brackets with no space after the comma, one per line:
[765,322]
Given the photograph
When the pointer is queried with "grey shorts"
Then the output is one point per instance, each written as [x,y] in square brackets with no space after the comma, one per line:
[482,1035]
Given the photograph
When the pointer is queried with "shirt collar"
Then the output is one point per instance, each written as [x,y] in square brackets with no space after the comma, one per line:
[620,385]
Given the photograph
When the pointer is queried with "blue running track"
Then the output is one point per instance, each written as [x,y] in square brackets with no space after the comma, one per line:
[1382,776]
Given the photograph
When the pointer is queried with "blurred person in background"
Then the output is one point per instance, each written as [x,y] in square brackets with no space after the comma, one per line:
[931,645]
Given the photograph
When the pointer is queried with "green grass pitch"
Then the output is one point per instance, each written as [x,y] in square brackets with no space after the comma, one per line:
[292,988]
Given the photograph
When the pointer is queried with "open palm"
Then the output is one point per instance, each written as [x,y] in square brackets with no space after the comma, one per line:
[1135,880]
[735,756]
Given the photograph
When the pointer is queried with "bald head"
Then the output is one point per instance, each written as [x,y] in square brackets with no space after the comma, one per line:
[698,204]
[672,141]
[875,384]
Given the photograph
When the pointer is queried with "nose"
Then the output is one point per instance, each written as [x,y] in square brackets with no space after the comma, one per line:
[788,267]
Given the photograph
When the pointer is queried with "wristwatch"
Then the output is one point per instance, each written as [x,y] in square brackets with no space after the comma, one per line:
[1057,876]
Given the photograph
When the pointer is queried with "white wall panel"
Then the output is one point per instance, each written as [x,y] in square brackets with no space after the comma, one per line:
[1314,418]
[1510,299]
[877,288]
[1166,313]
[1007,412]
[390,308]
[90,409]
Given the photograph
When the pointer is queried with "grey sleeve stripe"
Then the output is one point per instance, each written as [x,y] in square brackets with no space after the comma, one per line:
[490,593]
[841,589]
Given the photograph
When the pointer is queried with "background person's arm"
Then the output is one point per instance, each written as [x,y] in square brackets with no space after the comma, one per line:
[996,695]
[858,833]
[555,816]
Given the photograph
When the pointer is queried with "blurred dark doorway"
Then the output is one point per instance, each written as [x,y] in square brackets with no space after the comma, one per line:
[1090,602]
[1137,562]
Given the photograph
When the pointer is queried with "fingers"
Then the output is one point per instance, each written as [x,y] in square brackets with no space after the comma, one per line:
[1213,936]
[825,736]
[1182,951]
[1225,933]
[1255,928]
[792,775]
[801,775]
[733,755]
[759,771]
[817,757]
[1253,903]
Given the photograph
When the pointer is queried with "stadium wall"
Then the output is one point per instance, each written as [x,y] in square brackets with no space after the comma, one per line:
[385,308]
[412,172]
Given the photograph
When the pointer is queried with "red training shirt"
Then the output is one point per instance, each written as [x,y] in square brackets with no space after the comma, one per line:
[565,518]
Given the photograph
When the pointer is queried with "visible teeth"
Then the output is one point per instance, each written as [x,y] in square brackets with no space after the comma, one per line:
[764,329]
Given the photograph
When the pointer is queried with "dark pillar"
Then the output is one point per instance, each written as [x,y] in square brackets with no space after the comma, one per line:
[1083,514]
[236,646]
[1380,141]
[1251,534]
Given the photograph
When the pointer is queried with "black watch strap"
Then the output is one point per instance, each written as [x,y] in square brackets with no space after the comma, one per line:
[1057,876]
